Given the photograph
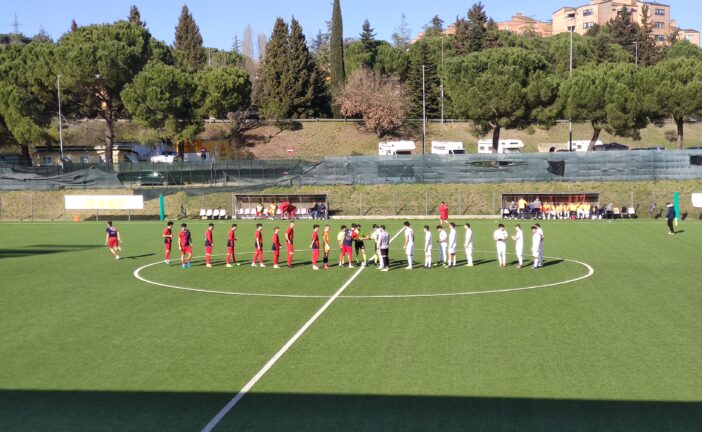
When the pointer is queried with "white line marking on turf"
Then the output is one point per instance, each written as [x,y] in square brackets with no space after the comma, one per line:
[252,382]
[249,385]
[590,272]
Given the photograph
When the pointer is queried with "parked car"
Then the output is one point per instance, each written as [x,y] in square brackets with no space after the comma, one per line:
[157,179]
[650,148]
[695,148]
[611,147]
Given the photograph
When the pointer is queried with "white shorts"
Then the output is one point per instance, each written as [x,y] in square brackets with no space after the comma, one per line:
[427,251]
[409,250]
[501,247]
[469,249]
[452,250]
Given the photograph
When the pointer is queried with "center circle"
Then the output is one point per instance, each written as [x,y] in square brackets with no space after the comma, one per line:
[588,273]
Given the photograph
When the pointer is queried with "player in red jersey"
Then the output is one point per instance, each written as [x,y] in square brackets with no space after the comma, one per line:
[231,241]
[443,213]
[315,247]
[347,250]
[258,247]
[289,243]
[185,246]
[112,239]
[275,241]
[168,241]
[209,244]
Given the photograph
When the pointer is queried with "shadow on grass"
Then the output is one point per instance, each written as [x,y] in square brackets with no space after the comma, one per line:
[127,411]
[36,250]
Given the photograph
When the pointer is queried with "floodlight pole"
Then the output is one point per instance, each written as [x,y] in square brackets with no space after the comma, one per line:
[60,120]
[424,113]
[570,75]
[636,44]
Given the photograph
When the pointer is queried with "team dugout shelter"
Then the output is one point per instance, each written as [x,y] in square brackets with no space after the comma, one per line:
[565,200]
[283,206]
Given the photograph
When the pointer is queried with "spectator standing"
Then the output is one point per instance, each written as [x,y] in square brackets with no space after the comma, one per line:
[537,208]
[443,213]
[521,206]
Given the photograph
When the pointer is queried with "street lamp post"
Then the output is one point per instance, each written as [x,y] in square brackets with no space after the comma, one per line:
[570,75]
[60,117]
[424,113]
[442,80]
[636,44]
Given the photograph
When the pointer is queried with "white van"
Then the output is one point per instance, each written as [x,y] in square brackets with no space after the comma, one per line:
[394,148]
[447,148]
[582,145]
[504,146]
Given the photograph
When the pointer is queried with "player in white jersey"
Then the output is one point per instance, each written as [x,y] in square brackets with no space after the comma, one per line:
[452,244]
[541,245]
[536,242]
[427,246]
[518,238]
[500,236]
[375,236]
[443,246]
[468,245]
[409,245]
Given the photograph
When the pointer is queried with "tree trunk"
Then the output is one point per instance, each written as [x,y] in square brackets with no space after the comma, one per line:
[25,156]
[595,137]
[109,134]
[496,139]
[680,123]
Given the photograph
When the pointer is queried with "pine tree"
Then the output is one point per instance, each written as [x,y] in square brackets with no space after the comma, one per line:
[275,100]
[461,41]
[435,27]
[369,44]
[188,42]
[306,82]
[492,35]
[421,55]
[236,45]
[338,73]
[74,26]
[476,27]
[135,16]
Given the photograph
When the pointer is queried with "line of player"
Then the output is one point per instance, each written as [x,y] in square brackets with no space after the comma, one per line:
[350,238]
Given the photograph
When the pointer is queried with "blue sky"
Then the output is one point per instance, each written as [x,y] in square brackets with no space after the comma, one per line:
[220,20]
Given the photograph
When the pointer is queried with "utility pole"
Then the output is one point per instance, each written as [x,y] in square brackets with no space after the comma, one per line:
[442,80]
[60,117]
[636,44]
[424,113]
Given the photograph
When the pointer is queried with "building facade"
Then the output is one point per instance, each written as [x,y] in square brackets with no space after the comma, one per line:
[521,24]
[600,12]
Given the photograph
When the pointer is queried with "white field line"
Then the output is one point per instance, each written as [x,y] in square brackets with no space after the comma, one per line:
[252,382]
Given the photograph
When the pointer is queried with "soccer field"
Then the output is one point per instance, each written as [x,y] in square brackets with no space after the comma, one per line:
[607,336]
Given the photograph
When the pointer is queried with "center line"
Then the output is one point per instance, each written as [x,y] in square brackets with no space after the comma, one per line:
[256,378]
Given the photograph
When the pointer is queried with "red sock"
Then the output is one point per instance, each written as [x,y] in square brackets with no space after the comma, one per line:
[207,259]
[168,254]
[228,259]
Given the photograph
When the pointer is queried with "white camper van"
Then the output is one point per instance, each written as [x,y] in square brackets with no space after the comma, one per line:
[504,146]
[582,145]
[447,148]
[394,148]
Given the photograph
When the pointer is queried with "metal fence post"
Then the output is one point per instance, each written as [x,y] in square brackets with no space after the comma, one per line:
[460,203]
[394,203]
[32,205]
[426,203]
[493,203]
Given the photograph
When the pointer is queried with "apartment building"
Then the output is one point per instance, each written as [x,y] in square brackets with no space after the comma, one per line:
[600,12]
[522,24]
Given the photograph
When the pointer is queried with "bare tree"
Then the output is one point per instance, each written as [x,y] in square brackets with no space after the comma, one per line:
[262,44]
[402,38]
[379,100]
[247,45]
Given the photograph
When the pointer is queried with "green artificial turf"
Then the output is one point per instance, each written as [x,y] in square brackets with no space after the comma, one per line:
[84,345]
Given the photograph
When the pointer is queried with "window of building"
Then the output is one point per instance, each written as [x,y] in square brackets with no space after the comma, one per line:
[660,12]
[588,12]
[661,38]
[47,160]
[85,159]
[659,25]
[689,37]
[588,25]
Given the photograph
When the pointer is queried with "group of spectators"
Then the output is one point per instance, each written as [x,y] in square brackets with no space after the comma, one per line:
[286,210]
[522,209]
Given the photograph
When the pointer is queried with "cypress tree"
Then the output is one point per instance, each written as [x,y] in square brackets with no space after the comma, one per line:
[188,42]
[135,16]
[476,27]
[421,55]
[624,30]
[74,26]
[275,99]
[461,41]
[649,53]
[338,74]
